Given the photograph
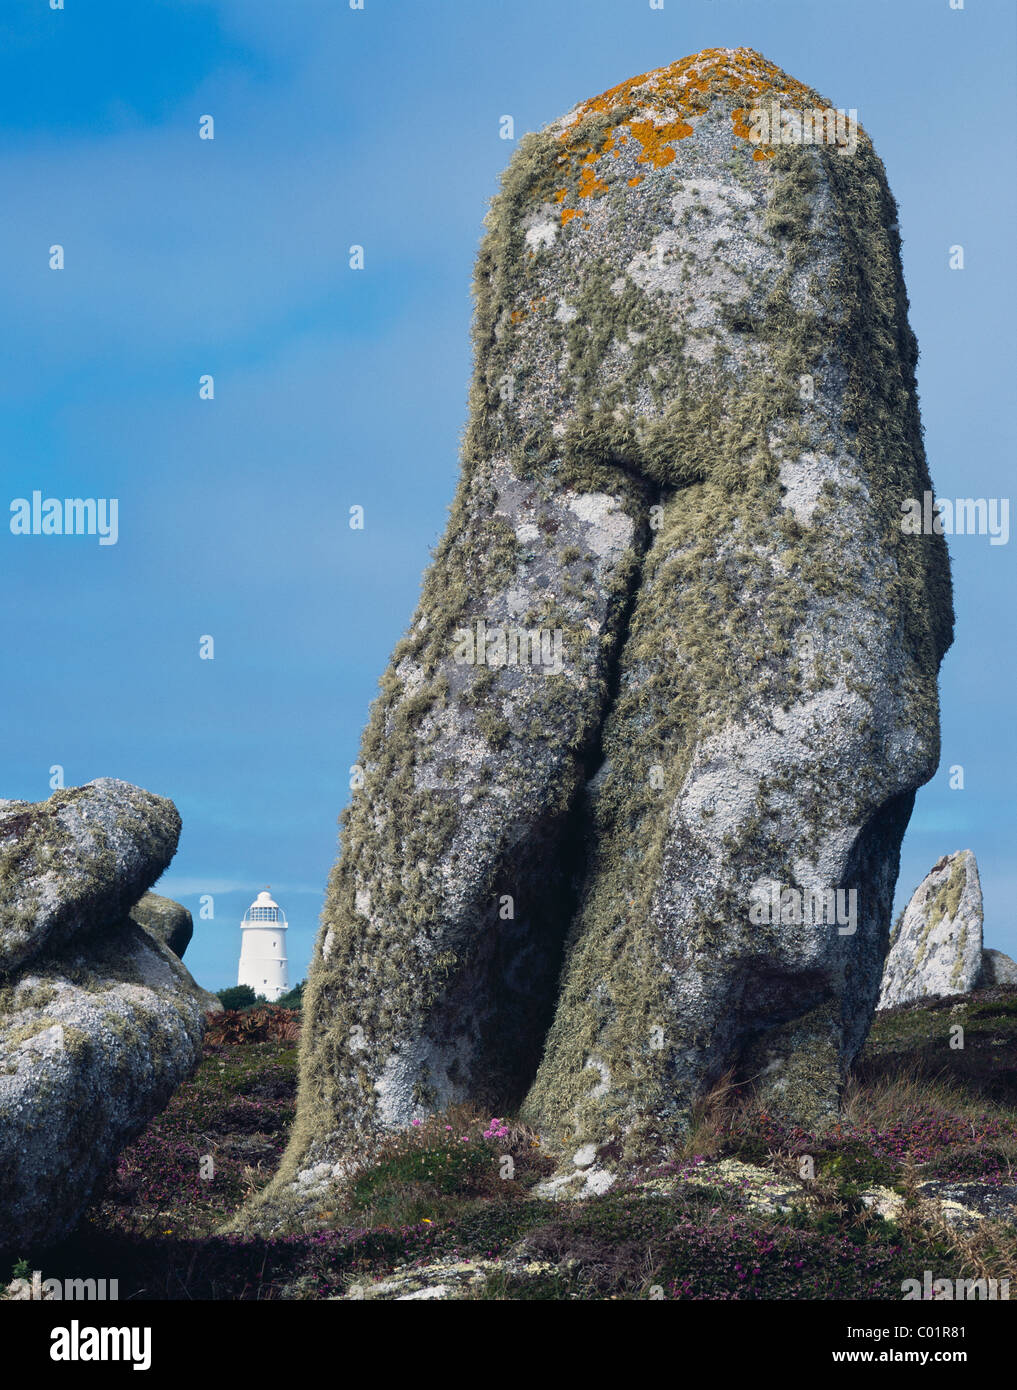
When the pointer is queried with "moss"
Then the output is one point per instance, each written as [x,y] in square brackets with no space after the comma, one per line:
[945,904]
[77,1043]
[37,837]
[947,899]
[17,997]
[896,928]
[493,727]
[957,972]
[16,1036]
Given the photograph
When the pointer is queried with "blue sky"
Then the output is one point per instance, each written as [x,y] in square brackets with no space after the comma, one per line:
[336,388]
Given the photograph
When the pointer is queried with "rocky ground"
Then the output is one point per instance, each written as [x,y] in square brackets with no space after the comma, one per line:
[920,1175]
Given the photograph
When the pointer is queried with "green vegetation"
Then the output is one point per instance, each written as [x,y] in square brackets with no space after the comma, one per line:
[239,997]
[292,999]
[729,1215]
[244,997]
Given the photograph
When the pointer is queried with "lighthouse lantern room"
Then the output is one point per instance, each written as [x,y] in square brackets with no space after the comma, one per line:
[263,948]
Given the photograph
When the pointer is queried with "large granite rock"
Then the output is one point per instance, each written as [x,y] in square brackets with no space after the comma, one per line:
[94,1039]
[99,1021]
[169,922]
[936,943]
[77,861]
[674,651]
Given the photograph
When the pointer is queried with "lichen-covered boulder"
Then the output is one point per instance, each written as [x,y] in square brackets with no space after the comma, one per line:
[77,861]
[997,969]
[936,943]
[99,1021]
[172,924]
[166,920]
[674,655]
[94,1039]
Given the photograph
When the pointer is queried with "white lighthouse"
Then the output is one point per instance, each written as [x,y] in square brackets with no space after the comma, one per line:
[263,949]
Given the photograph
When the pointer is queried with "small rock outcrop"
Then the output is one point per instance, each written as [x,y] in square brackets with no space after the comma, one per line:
[997,969]
[99,1021]
[78,861]
[172,924]
[169,922]
[936,943]
[671,684]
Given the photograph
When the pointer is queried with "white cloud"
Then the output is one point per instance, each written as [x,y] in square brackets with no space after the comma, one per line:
[172,886]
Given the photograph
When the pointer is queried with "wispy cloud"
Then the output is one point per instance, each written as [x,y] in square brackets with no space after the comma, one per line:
[174,886]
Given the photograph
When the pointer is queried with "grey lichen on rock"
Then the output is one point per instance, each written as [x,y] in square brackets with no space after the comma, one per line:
[77,861]
[169,922]
[92,1044]
[997,969]
[936,944]
[693,423]
[99,1020]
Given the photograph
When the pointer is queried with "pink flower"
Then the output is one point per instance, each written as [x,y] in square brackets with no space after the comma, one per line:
[418,1122]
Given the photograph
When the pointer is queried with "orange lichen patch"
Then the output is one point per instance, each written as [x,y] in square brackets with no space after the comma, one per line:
[653,140]
[677,86]
[517,315]
[590,184]
[635,182]
[741,126]
[744,132]
[657,110]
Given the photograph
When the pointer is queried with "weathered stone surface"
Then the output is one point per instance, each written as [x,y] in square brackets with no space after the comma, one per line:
[169,922]
[936,944]
[94,1038]
[445,1279]
[997,969]
[173,925]
[77,861]
[693,424]
[99,1020]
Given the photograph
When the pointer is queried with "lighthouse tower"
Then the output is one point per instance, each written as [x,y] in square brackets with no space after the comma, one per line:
[263,950]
